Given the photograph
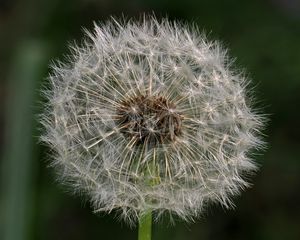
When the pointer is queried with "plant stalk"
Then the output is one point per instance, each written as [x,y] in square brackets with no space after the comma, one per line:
[145,226]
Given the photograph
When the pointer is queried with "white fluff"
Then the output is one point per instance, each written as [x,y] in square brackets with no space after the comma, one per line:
[204,164]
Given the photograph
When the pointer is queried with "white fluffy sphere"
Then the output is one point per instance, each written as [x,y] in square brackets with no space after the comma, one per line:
[149,115]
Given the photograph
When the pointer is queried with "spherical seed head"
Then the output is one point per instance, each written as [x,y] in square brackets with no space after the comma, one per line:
[150,116]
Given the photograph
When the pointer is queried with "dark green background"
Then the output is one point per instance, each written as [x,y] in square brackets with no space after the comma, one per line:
[265,38]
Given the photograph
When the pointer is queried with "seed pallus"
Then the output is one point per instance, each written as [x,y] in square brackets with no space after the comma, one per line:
[149,117]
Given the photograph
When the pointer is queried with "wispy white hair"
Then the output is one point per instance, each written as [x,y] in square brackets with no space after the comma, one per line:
[207,162]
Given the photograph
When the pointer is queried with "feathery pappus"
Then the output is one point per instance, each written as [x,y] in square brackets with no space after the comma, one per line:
[151,115]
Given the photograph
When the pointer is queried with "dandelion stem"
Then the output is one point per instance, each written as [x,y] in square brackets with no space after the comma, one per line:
[145,226]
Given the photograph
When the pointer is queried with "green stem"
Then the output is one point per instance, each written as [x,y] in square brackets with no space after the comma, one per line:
[145,226]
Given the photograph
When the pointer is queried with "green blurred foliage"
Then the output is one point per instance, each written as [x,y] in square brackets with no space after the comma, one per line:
[265,38]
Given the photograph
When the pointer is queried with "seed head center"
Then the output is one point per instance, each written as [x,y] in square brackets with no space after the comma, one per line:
[149,119]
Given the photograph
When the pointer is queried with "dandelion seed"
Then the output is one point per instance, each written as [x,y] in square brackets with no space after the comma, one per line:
[151,116]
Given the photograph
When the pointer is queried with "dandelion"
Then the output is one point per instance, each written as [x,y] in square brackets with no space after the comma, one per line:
[150,117]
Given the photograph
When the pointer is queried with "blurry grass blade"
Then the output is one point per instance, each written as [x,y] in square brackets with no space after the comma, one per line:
[19,162]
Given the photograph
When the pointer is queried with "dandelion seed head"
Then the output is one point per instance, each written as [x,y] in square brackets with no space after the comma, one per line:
[151,115]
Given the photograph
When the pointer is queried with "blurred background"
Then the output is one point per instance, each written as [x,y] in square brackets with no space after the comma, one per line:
[264,35]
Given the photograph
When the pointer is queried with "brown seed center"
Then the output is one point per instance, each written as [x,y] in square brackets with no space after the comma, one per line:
[149,119]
